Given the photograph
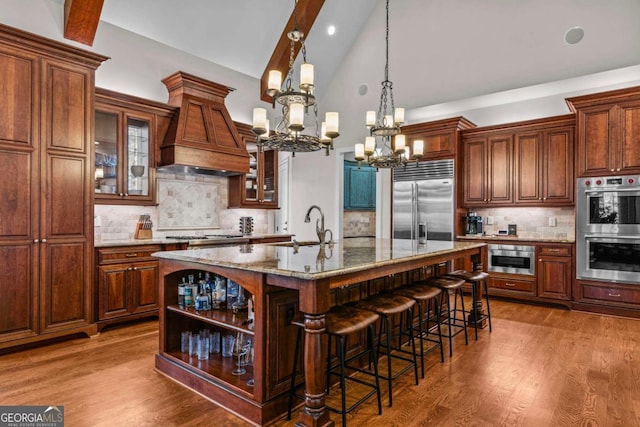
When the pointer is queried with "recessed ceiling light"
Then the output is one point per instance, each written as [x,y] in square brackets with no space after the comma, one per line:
[331,30]
[573,35]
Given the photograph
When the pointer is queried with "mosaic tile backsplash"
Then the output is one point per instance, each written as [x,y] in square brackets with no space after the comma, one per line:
[177,212]
[531,222]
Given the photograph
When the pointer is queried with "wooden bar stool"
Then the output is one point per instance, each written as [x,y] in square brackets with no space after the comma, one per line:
[476,279]
[386,305]
[341,321]
[451,285]
[426,298]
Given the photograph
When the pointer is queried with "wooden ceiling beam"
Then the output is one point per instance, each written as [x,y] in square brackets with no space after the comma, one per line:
[81,19]
[308,10]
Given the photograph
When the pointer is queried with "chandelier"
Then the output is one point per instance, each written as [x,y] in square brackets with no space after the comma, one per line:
[385,147]
[296,104]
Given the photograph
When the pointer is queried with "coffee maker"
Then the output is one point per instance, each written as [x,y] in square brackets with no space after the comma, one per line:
[473,224]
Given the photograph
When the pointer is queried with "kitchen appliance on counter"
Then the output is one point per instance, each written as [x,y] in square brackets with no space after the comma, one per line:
[210,240]
[608,229]
[423,201]
[513,259]
[473,224]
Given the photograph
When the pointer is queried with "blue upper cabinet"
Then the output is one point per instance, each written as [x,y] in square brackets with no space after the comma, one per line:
[359,187]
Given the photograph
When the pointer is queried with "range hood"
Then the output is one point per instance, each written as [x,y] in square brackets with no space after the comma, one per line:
[201,137]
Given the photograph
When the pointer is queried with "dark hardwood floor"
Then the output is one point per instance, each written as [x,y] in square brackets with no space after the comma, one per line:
[540,366]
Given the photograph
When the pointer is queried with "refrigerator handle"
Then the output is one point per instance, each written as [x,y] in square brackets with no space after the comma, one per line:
[414,211]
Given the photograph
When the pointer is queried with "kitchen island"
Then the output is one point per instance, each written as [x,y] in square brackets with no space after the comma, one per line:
[282,278]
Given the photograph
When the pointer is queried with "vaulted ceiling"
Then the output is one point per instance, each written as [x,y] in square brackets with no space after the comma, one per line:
[441,50]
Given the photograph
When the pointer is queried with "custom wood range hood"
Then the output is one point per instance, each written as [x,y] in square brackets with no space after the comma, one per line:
[201,138]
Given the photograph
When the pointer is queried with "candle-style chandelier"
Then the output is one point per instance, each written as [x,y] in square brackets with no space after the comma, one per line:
[379,150]
[296,105]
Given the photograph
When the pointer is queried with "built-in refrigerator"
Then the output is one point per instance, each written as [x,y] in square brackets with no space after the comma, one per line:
[423,197]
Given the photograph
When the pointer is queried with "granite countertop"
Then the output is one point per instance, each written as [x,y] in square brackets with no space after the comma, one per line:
[164,240]
[507,238]
[313,262]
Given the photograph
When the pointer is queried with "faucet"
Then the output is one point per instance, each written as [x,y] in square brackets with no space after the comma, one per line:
[320,230]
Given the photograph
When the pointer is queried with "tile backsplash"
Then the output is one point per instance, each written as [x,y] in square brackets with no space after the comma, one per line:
[531,222]
[116,222]
[359,223]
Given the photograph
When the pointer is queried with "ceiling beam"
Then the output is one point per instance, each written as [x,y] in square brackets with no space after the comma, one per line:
[308,10]
[81,19]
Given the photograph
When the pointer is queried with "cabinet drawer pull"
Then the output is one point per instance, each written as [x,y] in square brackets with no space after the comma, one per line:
[510,284]
[131,255]
[553,250]
[613,295]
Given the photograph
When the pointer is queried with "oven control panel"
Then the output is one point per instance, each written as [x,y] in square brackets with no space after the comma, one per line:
[609,182]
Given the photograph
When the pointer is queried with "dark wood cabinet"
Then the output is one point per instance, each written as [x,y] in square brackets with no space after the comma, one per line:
[608,132]
[525,163]
[128,132]
[544,167]
[259,188]
[488,162]
[552,281]
[554,271]
[127,283]
[440,137]
[617,299]
[46,145]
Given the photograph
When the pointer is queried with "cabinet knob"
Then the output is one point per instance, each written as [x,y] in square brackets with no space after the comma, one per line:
[540,259]
[126,194]
[134,268]
[44,240]
[618,170]
[36,240]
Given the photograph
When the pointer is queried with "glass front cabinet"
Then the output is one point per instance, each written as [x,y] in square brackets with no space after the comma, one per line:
[258,188]
[124,171]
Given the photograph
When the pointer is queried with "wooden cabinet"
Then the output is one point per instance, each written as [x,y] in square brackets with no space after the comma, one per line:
[526,163]
[127,283]
[618,299]
[46,145]
[554,271]
[127,133]
[259,188]
[440,137]
[488,163]
[359,186]
[544,167]
[551,283]
[608,132]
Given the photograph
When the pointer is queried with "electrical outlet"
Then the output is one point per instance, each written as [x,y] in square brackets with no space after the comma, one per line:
[552,221]
[97,221]
[489,220]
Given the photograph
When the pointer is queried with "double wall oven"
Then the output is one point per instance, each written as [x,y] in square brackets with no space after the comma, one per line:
[608,229]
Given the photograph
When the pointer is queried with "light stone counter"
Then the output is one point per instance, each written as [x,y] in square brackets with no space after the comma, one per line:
[314,262]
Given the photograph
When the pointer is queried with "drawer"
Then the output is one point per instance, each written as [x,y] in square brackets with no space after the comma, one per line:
[127,253]
[512,284]
[554,250]
[614,293]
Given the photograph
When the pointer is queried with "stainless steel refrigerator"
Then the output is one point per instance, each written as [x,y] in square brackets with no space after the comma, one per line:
[424,194]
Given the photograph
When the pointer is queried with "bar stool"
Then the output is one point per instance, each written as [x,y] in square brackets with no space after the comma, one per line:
[386,305]
[475,279]
[427,296]
[451,285]
[341,321]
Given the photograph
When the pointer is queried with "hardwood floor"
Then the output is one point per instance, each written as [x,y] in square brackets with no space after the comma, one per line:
[540,366]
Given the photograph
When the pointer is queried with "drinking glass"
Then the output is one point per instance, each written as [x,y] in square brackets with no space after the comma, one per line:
[227,345]
[184,341]
[214,342]
[241,349]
